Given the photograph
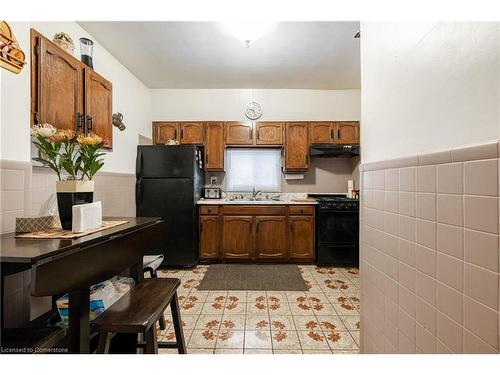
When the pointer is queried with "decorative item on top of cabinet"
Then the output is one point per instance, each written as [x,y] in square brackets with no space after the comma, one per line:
[296,146]
[269,133]
[99,107]
[165,130]
[64,41]
[214,146]
[239,133]
[192,133]
[12,57]
[87,52]
[347,132]
[321,132]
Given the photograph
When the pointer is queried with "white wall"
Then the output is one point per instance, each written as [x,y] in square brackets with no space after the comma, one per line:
[130,97]
[428,86]
[228,104]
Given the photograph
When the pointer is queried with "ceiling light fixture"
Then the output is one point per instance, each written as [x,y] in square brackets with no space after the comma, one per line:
[247,31]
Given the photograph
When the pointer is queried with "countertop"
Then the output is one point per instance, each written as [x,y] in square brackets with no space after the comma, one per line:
[246,203]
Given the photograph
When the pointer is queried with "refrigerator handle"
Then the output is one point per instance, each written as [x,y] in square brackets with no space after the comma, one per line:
[138,165]
[138,193]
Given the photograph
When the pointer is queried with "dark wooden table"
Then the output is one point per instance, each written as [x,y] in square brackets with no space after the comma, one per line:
[72,266]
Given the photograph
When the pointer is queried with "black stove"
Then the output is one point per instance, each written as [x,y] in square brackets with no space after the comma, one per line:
[337,230]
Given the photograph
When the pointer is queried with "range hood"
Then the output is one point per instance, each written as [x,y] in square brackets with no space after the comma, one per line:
[332,151]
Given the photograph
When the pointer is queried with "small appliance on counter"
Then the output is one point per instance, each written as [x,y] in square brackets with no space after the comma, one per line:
[213,191]
[337,230]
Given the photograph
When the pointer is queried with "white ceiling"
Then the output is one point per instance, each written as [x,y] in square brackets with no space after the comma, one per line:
[295,55]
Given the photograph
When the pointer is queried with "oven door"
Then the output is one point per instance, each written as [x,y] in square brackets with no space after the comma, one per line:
[337,255]
[336,227]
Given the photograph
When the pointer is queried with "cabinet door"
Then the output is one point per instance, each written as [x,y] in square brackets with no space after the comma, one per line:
[192,133]
[214,146]
[209,237]
[239,133]
[347,132]
[57,86]
[98,106]
[270,237]
[301,235]
[321,132]
[269,133]
[163,131]
[296,146]
[237,237]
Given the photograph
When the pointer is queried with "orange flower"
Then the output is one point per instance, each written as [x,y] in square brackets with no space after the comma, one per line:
[62,136]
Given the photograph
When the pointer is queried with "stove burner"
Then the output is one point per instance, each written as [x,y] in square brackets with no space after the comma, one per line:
[336,202]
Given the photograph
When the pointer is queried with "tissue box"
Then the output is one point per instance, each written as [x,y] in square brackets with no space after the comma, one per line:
[36,224]
[102,296]
[86,217]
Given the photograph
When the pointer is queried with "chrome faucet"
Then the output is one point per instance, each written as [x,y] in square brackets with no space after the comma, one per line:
[255,193]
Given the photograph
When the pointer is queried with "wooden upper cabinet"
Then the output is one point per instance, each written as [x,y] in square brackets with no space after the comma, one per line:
[239,133]
[269,133]
[192,133]
[301,237]
[68,94]
[237,237]
[270,237]
[210,230]
[296,146]
[347,132]
[321,132]
[163,131]
[214,146]
[98,106]
[56,86]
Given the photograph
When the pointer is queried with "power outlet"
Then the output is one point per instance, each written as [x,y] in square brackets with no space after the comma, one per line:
[213,180]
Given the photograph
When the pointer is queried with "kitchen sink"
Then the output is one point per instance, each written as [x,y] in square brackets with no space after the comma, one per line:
[254,200]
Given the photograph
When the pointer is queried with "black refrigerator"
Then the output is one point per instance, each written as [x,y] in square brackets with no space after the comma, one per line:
[169,183]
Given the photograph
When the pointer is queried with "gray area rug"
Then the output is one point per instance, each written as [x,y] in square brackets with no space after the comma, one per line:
[253,277]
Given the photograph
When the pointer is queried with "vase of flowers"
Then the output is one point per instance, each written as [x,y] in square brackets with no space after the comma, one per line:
[75,158]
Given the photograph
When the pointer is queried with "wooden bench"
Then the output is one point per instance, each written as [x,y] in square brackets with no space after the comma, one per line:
[138,311]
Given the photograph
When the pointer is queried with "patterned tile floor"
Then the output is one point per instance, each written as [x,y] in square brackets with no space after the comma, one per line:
[325,319]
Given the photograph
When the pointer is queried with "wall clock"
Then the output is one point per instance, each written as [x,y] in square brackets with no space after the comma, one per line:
[253,110]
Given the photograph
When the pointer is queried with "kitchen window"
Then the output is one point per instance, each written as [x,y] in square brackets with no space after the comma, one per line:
[252,168]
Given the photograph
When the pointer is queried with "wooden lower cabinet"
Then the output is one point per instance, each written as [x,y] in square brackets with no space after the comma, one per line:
[270,237]
[237,237]
[258,233]
[301,242]
[210,230]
